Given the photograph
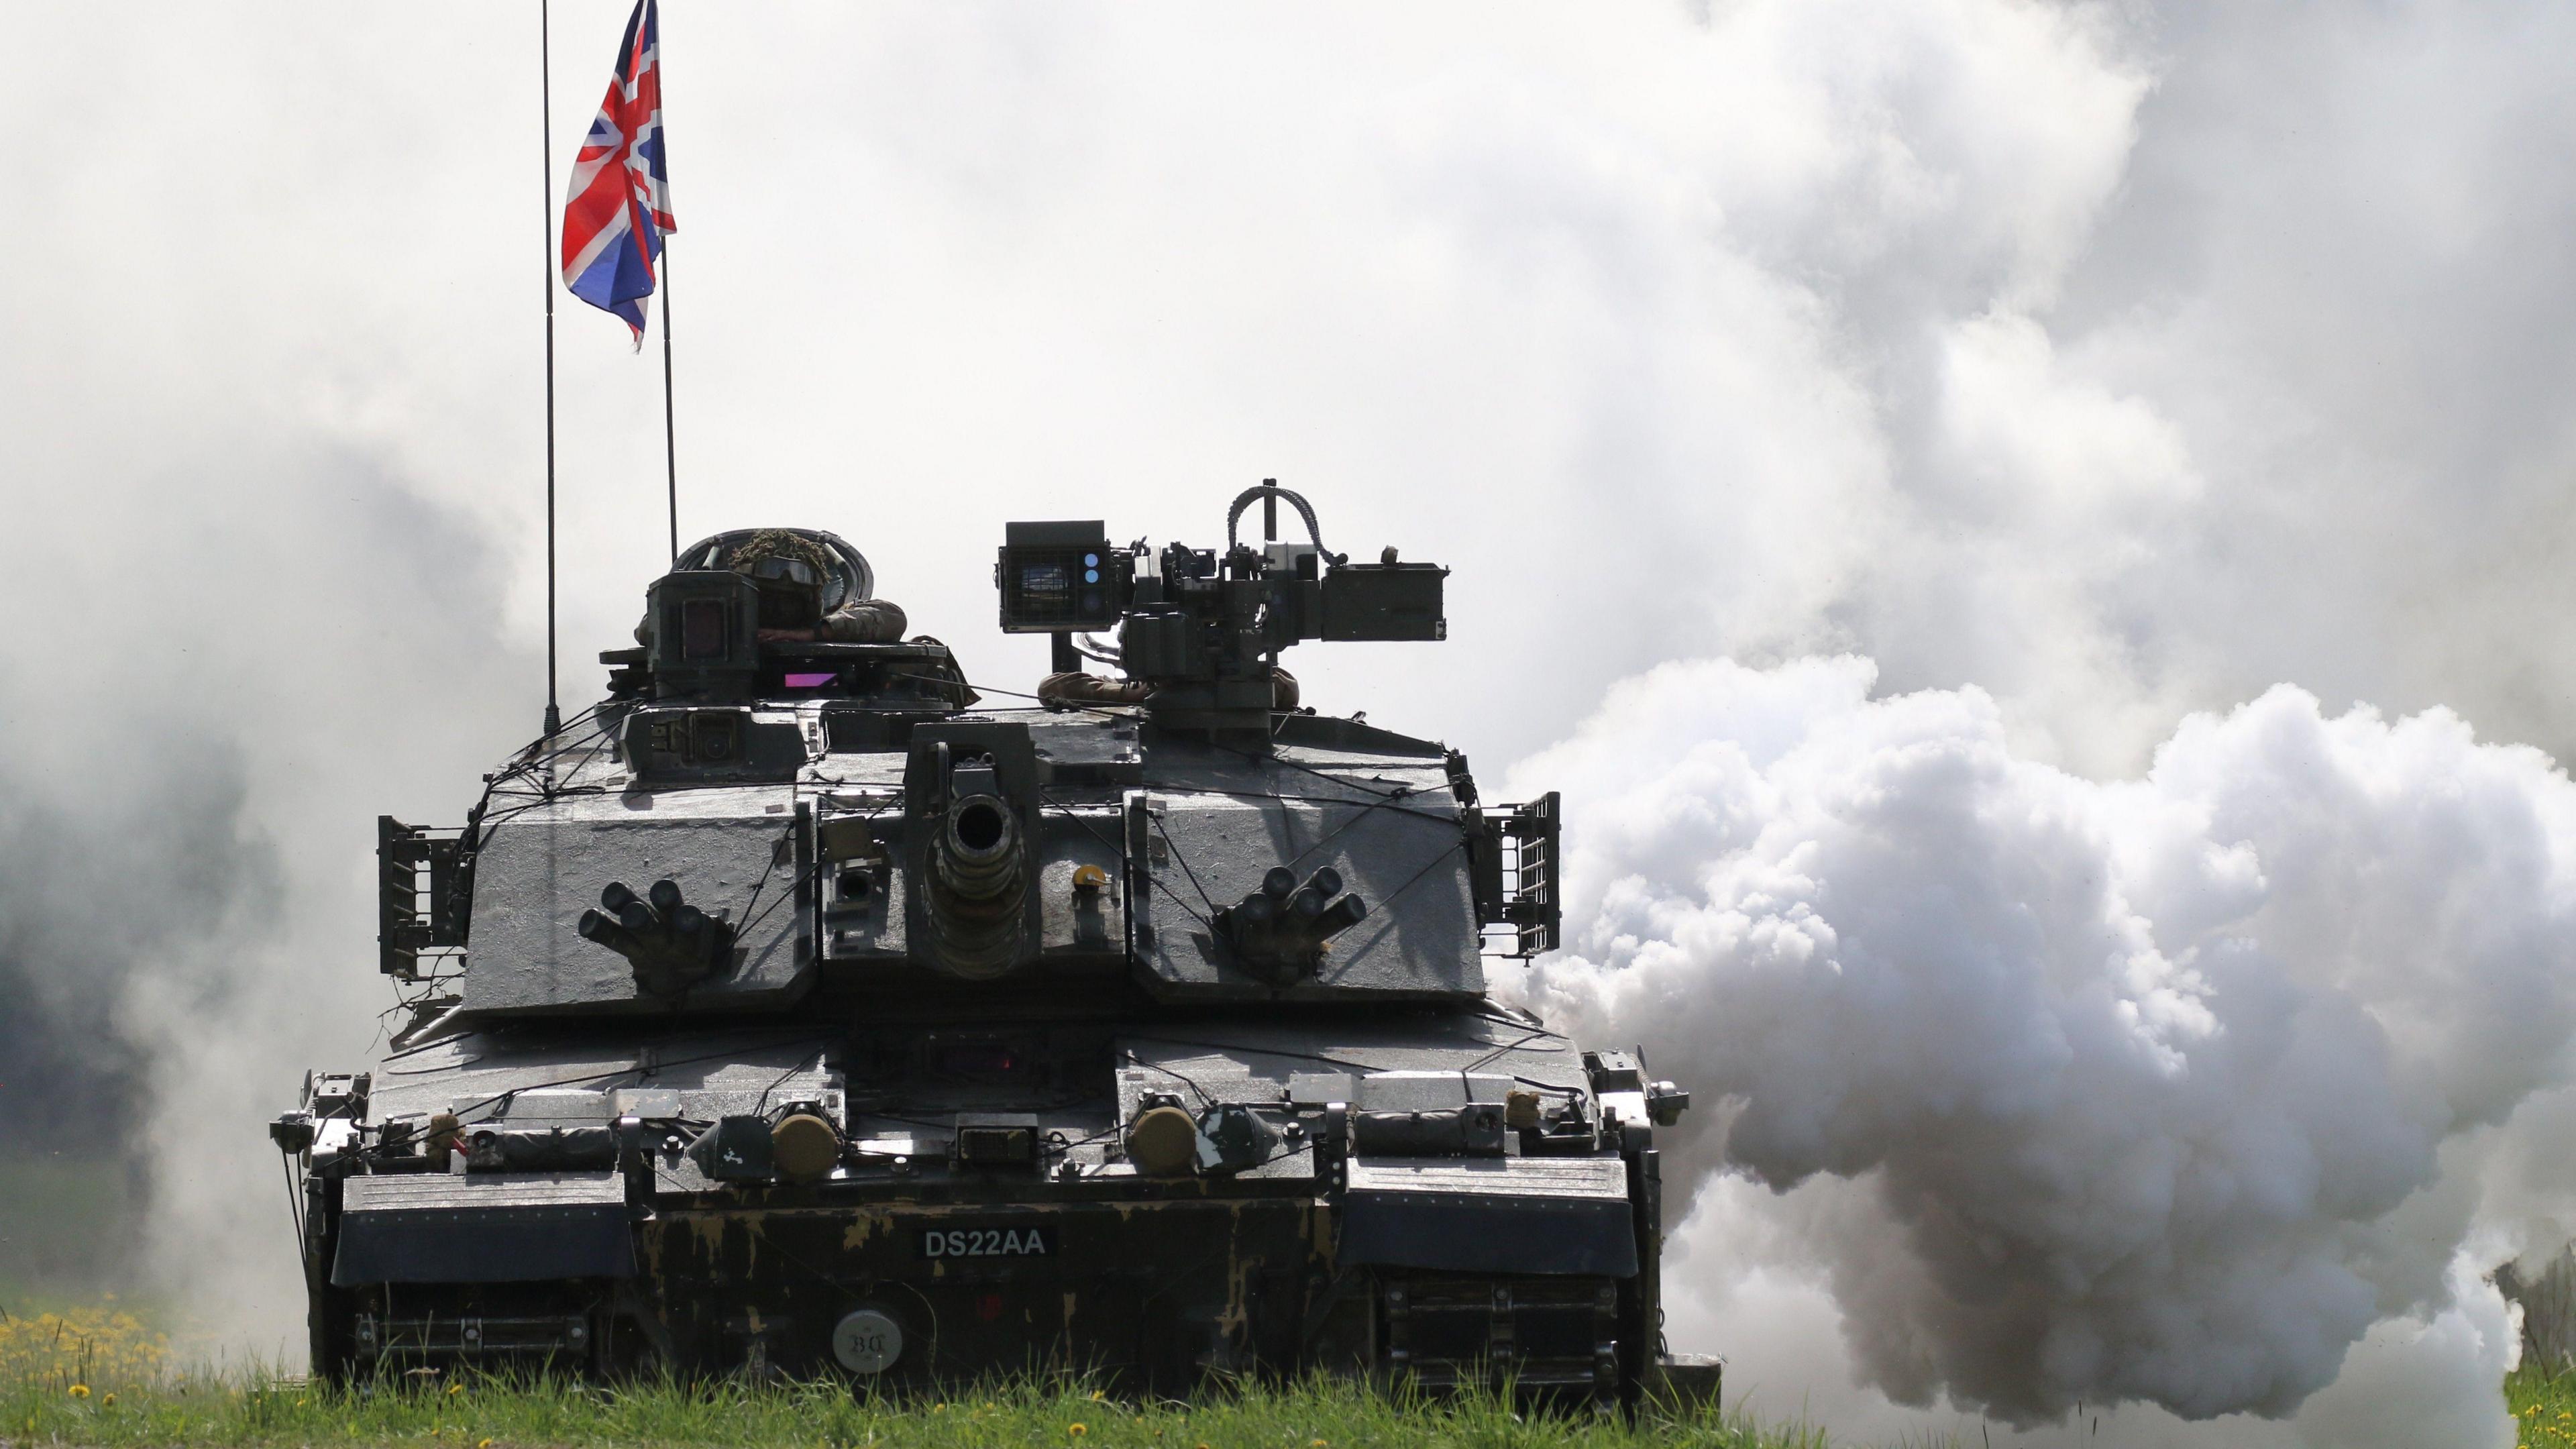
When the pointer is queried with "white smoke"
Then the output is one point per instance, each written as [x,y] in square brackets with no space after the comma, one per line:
[2132,1080]
[2119,360]
[257,667]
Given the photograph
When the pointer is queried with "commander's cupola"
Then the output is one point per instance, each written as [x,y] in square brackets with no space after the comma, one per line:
[751,624]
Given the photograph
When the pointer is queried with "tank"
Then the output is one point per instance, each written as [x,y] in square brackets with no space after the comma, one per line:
[797,1011]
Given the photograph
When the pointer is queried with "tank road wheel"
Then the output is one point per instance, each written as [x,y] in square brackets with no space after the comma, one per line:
[632,1343]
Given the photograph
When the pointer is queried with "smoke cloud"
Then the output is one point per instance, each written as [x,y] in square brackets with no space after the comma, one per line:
[2085,1000]
[2131,1078]
[186,829]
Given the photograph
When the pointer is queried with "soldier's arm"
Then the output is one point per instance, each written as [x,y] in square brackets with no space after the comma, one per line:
[863,621]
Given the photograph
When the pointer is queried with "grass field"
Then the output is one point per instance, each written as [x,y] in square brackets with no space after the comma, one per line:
[97,1375]
[2545,1403]
[490,1416]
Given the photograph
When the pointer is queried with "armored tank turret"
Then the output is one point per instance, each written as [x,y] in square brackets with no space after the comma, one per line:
[796,1011]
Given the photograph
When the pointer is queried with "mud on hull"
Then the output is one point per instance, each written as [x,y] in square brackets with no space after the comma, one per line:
[1153,1296]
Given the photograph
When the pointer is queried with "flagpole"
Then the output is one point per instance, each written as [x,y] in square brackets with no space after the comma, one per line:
[546,225]
[670,450]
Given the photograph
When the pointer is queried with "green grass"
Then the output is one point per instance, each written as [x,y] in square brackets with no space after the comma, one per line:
[2545,1404]
[1061,1414]
[91,1377]
[97,1374]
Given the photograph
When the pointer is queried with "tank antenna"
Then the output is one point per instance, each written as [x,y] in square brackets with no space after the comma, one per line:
[546,253]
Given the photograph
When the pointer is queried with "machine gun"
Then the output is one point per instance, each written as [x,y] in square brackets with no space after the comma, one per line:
[1200,633]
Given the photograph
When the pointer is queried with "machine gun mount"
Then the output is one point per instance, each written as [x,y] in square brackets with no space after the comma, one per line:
[1200,633]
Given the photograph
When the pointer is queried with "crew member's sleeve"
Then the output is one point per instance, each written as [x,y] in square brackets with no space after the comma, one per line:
[863,621]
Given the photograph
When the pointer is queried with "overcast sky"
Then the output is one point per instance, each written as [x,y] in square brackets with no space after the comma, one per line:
[2115,361]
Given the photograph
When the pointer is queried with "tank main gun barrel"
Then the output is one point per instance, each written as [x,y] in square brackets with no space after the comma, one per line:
[976,900]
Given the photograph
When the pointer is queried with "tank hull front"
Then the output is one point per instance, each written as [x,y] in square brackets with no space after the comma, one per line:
[1149,1295]
[1155,1291]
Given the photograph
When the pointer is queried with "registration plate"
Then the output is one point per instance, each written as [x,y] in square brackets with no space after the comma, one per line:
[1008,1242]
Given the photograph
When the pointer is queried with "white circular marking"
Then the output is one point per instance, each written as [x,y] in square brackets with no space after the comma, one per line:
[866,1340]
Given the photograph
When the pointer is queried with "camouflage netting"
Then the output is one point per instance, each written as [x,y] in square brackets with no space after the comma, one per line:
[781,543]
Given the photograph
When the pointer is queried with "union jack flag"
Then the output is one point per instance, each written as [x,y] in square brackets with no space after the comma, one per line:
[620,201]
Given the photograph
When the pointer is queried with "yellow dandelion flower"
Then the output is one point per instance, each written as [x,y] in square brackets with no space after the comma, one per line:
[1077,1430]
[1314,1444]
[108,1400]
[482,1444]
[80,1391]
[939,1408]
[456,1388]
[1097,1396]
